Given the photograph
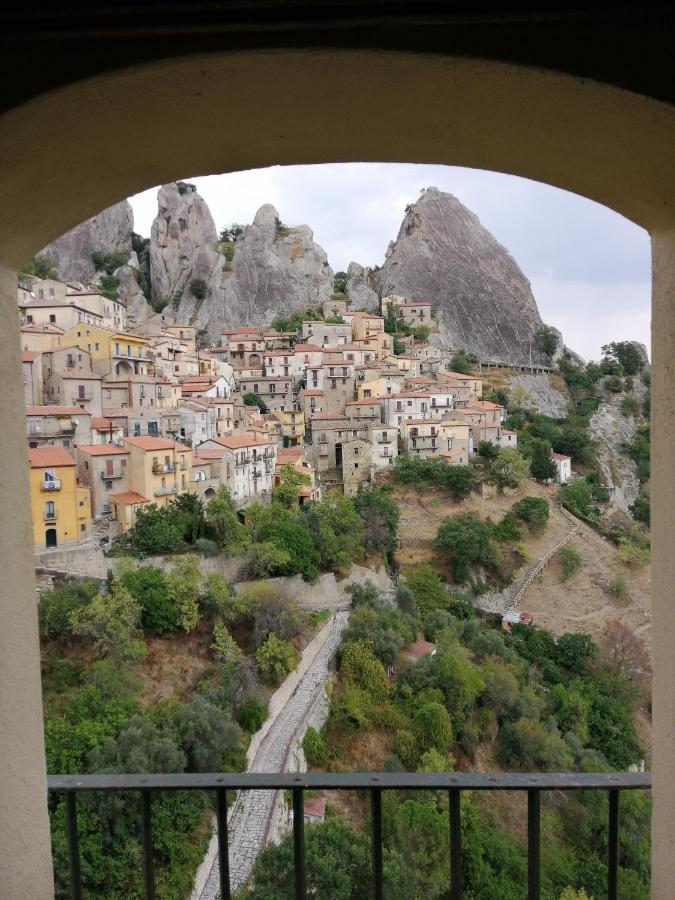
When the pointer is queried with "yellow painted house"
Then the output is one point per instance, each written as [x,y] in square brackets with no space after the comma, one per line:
[112,352]
[60,506]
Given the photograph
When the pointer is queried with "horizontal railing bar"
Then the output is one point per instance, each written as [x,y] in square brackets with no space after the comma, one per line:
[508,781]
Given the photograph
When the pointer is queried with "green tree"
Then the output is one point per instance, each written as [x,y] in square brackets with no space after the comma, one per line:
[427,587]
[198,288]
[157,530]
[141,746]
[469,541]
[217,598]
[379,514]
[206,735]
[547,342]
[337,866]
[267,558]
[287,492]
[640,510]
[432,728]
[111,622]
[509,468]
[534,511]
[340,282]
[297,545]
[625,354]
[336,529]
[488,450]
[182,586]
[314,747]
[43,266]
[276,658]
[55,608]
[542,467]
[224,647]
[159,614]
[255,400]
[570,561]
[222,517]
[577,496]
[360,667]
[576,652]
[460,363]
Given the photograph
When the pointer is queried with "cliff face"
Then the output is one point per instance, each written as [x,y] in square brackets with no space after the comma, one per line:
[269,271]
[106,232]
[484,302]
[359,290]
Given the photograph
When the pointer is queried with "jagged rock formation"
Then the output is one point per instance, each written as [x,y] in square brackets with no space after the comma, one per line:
[359,289]
[269,271]
[483,300]
[106,232]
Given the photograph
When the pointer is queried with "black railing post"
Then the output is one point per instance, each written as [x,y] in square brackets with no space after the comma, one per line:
[454,796]
[73,846]
[299,843]
[148,848]
[613,845]
[376,841]
[223,848]
[533,844]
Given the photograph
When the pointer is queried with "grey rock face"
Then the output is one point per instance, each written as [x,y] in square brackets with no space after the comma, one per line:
[273,269]
[484,302]
[106,232]
[359,291]
[138,308]
[542,396]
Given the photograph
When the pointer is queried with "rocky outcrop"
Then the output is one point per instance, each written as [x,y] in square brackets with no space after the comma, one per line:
[131,294]
[611,430]
[539,394]
[270,271]
[359,290]
[106,232]
[484,302]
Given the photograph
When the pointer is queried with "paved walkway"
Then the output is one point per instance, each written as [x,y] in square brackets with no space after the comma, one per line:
[250,815]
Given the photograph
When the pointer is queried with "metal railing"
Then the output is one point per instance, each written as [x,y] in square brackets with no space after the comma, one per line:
[164,491]
[374,782]
[53,485]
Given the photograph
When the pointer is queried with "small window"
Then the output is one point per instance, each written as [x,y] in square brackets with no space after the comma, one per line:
[52,318]
[108,485]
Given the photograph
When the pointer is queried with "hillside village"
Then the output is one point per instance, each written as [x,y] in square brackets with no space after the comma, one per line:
[121,416]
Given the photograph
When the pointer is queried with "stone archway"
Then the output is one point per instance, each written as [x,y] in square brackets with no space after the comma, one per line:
[602,142]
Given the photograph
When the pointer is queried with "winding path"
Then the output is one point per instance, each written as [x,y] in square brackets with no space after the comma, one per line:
[251,814]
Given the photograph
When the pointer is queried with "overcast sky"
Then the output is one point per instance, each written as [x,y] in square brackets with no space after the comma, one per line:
[589,267]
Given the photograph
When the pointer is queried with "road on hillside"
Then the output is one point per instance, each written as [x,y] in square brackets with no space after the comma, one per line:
[249,818]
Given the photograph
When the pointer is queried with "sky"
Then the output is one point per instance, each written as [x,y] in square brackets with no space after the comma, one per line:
[588,266]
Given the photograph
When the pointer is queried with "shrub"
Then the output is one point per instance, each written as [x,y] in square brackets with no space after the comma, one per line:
[206,547]
[198,288]
[534,511]
[296,545]
[507,529]
[360,667]
[255,400]
[205,734]
[251,716]
[276,658]
[634,553]
[224,647]
[110,287]
[432,728]
[55,608]
[508,468]
[157,529]
[641,509]
[576,652]
[183,590]
[379,515]
[488,450]
[630,406]
[570,561]
[619,586]
[42,266]
[111,622]
[577,496]
[427,588]
[266,558]
[314,747]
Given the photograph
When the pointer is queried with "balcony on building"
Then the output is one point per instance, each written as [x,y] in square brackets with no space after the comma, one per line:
[117,472]
[163,468]
[165,491]
[51,484]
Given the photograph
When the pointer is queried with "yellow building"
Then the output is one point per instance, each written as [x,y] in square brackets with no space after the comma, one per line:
[292,425]
[114,353]
[60,506]
[159,468]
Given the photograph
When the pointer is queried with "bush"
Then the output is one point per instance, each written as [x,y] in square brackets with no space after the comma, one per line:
[56,607]
[427,588]
[314,747]
[276,658]
[488,450]
[206,547]
[110,287]
[577,496]
[432,728]
[634,553]
[296,545]
[507,529]
[534,511]
[251,716]
[379,515]
[157,530]
[570,561]
[630,406]
[508,468]
[255,400]
[182,585]
[641,510]
[620,586]
[198,288]
[111,622]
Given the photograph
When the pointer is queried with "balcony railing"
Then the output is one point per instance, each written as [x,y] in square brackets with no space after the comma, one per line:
[53,485]
[454,783]
[159,469]
[116,473]
[163,491]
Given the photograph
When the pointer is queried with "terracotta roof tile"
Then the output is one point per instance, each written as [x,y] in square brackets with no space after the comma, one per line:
[129,497]
[46,457]
[102,450]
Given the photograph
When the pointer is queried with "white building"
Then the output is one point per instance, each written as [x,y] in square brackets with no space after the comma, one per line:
[563,467]
[422,404]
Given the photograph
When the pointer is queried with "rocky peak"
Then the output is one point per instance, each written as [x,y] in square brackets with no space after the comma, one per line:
[106,232]
[483,300]
[266,218]
[359,289]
